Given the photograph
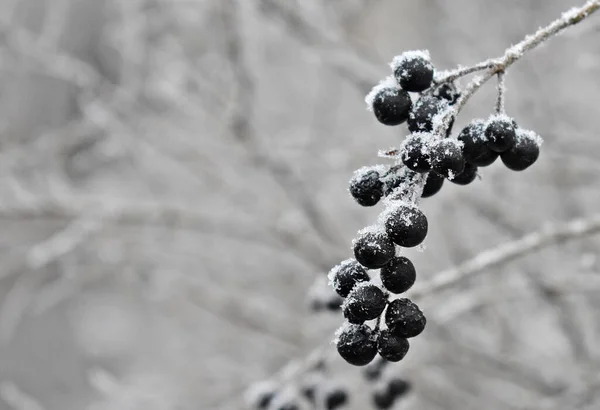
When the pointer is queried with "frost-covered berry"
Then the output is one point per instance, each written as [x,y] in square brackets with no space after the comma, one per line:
[447,158]
[398,275]
[366,187]
[404,318]
[433,184]
[500,133]
[525,151]
[335,398]
[475,149]
[406,225]
[448,92]
[346,275]
[373,249]
[413,70]
[397,178]
[424,112]
[357,344]
[391,347]
[365,302]
[391,105]
[467,176]
[416,152]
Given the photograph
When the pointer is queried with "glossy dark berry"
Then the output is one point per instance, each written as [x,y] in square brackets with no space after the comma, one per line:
[383,399]
[373,249]
[346,275]
[413,71]
[392,106]
[366,187]
[396,178]
[357,344]
[433,184]
[423,113]
[448,92]
[404,318]
[416,152]
[335,398]
[475,148]
[500,133]
[406,225]
[467,176]
[398,275]
[524,153]
[365,302]
[447,158]
[398,387]
[391,346]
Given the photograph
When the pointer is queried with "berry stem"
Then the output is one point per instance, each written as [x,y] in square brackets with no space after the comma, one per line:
[501,93]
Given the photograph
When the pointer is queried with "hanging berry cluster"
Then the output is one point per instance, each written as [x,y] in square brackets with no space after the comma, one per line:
[426,158]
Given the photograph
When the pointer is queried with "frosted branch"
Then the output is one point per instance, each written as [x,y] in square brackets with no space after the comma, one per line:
[501,93]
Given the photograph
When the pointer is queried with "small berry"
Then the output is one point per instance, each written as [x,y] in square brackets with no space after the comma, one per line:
[475,149]
[398,275]
[525,151]
[500,133]
[467,176]
[433,184]
[404,318]
[448,92]
[365,302]
[335,398]
[406,226]
[392,106]
[374,369]
[447,158]
[366,187]
[346,275]
[261,394]
[373,249]
[398,387]
[383,399]
[423,113]
[391,346]
[413,70]
[416,152]
[357,345]
[396,178]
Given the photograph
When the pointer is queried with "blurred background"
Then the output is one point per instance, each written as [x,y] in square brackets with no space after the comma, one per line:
[174,178]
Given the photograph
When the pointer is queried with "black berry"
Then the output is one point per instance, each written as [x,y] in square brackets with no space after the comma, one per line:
[335,398]
[365,302]
[357,345]
[373,249]
[383,399]
[524,153]
[448,92]
[467,176]
[392,106]
[366,187]
[391,346]
[406,226]
[398,275]
[413,71]
[398,387]
[433,184]
[500,133]
[423,113]
[447,158]
[346,275]
[416,152]
[475,149]
[404,318]
[374,369]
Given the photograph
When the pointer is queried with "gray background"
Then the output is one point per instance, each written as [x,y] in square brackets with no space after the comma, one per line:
[173,179]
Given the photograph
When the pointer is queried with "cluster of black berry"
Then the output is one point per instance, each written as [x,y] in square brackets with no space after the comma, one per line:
[426,158]
[315,389]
